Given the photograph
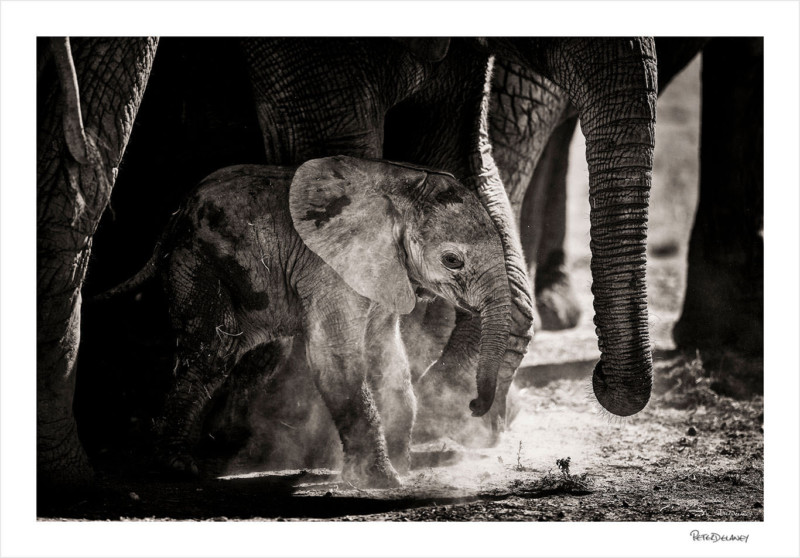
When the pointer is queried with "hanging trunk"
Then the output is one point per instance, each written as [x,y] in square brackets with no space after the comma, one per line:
[612,82]
[486,179]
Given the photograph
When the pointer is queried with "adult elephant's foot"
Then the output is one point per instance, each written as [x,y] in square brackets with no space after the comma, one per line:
[63,471]
[178,463]
[182,465]
[370,473]
[556,302]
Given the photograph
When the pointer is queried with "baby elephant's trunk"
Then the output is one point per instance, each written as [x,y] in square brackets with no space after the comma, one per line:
[495,316]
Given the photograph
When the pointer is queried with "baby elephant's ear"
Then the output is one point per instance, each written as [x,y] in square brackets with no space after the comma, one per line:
[341,211]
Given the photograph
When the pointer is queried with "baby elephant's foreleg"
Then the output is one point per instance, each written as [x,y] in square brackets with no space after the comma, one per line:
[390,379]
[337,364]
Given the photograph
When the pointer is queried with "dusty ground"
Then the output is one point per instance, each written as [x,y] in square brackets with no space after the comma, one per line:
[695,453]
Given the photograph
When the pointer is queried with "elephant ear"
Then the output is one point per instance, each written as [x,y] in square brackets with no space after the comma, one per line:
[342,210]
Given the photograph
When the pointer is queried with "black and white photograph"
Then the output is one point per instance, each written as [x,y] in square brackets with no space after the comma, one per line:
[378,273]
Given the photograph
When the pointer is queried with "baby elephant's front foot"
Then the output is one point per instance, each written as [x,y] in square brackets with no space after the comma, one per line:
[377,473]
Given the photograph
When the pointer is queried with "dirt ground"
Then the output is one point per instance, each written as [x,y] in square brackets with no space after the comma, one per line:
[696,453]
[691,455]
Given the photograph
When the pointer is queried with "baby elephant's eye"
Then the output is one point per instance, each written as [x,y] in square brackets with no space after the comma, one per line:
[452,260]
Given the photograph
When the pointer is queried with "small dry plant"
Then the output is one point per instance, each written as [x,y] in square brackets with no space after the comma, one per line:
[565,481]
[519,466]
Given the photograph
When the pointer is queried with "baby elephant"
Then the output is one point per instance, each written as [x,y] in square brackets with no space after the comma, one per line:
[334,251]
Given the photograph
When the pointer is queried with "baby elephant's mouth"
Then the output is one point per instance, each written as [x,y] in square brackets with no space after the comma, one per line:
[464,305]
[427,295]
[423,294]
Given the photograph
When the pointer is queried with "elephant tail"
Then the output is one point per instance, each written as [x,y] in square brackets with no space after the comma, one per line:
[150,269]
[147,272]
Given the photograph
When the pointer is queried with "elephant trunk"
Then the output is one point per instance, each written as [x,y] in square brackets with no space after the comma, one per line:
[494,320]
[613,84]
[620,136]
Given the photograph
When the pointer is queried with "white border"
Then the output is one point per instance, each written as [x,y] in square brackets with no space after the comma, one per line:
[21,22]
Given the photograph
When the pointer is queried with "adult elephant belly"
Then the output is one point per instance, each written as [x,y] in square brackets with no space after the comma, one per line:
[317,97]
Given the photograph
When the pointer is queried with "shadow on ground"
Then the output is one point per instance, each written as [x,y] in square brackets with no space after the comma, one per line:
[694,453]
[304,495]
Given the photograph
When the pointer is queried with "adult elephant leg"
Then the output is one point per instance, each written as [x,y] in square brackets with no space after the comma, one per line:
[524,127]
[544,211]
[87,100]
[724,305]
